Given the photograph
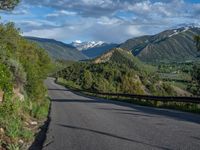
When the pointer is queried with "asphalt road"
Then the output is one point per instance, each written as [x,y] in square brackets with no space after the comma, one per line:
[85,123]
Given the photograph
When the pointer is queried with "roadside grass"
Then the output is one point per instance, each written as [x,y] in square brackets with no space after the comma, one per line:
[67,83]
[187,107]
[13,147]
[15,122]
[181,85]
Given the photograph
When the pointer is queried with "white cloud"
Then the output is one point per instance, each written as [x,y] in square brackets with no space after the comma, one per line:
[93,30]
[30,23]
[106,20]
[109,21]
[60,13]
[64,12]
[134,30]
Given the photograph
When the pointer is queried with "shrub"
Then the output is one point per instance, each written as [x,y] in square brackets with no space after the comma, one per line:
[22,64]
[5,81]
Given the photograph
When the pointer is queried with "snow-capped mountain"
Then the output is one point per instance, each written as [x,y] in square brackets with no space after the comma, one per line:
[172,45]
[182,28]
[187,26]
[81,46]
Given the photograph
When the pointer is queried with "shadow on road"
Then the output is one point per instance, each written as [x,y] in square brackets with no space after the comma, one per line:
[111,135]
[58,89]
[41,136]
[135,114]
[177,115]
[196,138]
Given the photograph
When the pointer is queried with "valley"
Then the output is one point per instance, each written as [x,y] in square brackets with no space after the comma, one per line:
[104,68]
[99,75]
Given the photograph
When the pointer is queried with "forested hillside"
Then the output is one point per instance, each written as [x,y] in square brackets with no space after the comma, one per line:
[169,46]
[58,50]
[116,71]
[23,67]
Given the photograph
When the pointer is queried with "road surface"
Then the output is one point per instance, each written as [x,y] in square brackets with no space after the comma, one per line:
[85,123]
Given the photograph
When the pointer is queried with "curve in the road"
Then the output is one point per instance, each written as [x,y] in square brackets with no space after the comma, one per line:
[85,123]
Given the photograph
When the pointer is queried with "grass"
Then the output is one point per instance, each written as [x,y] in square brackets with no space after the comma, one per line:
[187,107]
[67,83]
[40,111]
[15,118]
[175,76]
[181,85]
[13,147]
[14,127]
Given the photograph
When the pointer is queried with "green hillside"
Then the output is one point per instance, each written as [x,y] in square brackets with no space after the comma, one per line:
[123,57]
[169,46]
[59,50]
[116,71]
[23,68]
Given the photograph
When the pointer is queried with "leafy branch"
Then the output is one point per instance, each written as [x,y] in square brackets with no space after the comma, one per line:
[8,4]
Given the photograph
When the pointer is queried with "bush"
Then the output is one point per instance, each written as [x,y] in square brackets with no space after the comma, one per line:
[5,81]
[18,73]
[113,77]
[40,110]
[22,65]
[194,87]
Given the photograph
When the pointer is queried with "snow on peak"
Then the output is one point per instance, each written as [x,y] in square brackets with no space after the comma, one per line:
[187,26]
[86,45]
[175,32]
[78,41]
[183,28]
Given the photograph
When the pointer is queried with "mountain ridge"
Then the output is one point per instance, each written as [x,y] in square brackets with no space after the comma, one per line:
[58,50]
[93,49]
[81,46]
[167,46]
[99,50]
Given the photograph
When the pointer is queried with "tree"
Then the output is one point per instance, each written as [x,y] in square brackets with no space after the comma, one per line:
[195,86]
[87,79]
[197,41]
[8,4]
[131,84]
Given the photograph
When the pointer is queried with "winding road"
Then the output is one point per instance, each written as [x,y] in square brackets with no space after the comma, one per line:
[84,123]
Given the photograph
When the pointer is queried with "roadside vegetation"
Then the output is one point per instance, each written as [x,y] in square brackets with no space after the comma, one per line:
[122,73]
[195,86]
[91,79]
[119,72]
[23,99]
[182,75]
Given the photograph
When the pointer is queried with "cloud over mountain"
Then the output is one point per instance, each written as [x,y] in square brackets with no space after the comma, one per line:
[107,20]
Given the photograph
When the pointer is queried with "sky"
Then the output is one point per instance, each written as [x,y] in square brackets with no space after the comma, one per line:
[100,20]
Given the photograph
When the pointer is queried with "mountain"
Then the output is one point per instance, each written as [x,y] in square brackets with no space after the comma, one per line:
[81,46]
[185,25]
[58,50]
[115,71]
[168,46]
[98,50]
[93,49]
[123,57]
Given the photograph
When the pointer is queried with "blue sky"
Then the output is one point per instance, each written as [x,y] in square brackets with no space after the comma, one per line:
[105,20]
